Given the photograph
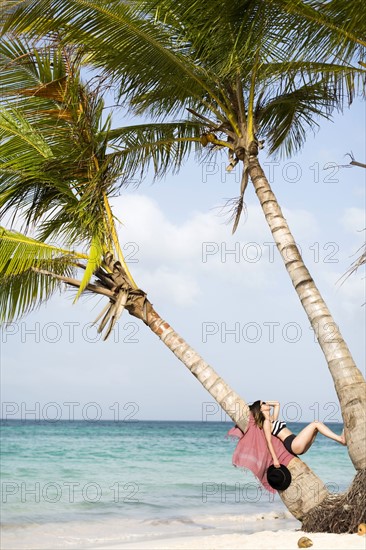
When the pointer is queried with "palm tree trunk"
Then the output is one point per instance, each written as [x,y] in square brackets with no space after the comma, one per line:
[348,380]
[306,490]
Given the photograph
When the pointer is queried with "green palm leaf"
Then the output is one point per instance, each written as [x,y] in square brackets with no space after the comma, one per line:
[19,253]
[24,262]
[95,259]
[47,160]
[15,132]
[333,28]
[169,55]
[284,120]
[27,67]
[129,36]
[288,106]
[64,192]
[164,146]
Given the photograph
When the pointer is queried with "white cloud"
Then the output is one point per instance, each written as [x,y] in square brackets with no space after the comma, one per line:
[158,238]
[176,256]
[164,282]
[180,259]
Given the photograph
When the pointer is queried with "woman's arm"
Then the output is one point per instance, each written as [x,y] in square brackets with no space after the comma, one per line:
[268,435]
[276,409]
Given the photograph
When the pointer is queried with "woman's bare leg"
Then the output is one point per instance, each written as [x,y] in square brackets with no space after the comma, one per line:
[306,437]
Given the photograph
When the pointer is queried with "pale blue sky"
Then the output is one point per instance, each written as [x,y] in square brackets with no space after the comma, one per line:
[178,248]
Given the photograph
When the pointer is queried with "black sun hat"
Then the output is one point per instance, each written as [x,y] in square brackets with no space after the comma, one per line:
[279,478]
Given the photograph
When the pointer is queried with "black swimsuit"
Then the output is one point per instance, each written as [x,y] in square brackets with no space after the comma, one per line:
[288,442]
[277,426]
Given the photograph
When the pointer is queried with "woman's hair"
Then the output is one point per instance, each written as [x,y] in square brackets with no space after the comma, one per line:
[259,417]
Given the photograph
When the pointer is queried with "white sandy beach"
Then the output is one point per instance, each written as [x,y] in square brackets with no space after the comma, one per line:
[230,533]
[268,540]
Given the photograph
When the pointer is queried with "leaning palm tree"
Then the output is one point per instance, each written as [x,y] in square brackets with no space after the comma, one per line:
[246,72]
[57,173]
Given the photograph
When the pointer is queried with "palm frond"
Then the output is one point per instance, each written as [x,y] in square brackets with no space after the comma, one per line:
[344,78]
[162,146]
[16,132]
[137,45]
[31,71]
[293,96]
[49,161]
[66,193]
[94,261]
[19,253]
[21,294]
[334,29]
[166,55]
[23,286]
[285,119]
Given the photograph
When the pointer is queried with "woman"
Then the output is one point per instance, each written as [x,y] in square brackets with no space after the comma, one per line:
[252,450]
[295,444]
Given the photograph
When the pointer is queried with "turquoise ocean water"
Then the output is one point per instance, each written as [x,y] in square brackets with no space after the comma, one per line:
[140,474]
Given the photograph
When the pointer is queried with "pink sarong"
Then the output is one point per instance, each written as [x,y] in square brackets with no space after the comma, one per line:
[252,451]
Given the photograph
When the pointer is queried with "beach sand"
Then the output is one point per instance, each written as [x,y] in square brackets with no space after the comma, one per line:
[269,540]
[120,535]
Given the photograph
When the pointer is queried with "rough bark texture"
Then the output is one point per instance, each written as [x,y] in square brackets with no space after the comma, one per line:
[348,380]
[305,492]
[341,513]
